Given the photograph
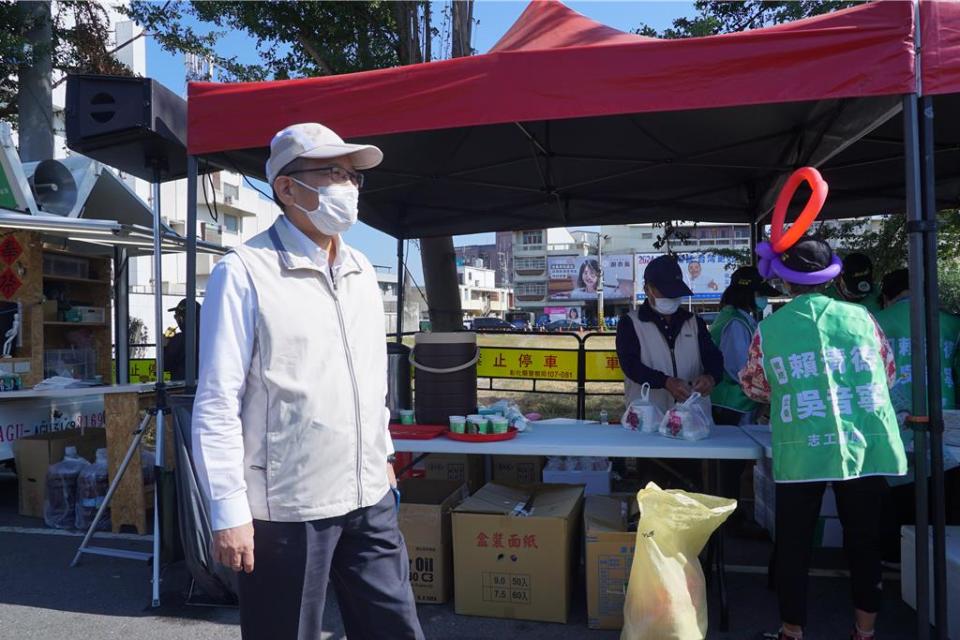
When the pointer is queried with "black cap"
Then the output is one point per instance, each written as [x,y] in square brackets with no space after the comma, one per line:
[895,283]
[664,273]
[182,306]
[808,255]
[750,278]
[857,274]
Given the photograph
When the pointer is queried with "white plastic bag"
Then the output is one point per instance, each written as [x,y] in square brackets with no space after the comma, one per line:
[60,499]
[92,485]
[511,411]
[687,420]
[642,415]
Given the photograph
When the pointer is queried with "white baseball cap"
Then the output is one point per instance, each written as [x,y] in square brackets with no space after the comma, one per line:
[313,140]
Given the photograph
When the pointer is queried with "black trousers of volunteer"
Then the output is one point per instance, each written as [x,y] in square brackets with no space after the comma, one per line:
[362,553]
[859,504]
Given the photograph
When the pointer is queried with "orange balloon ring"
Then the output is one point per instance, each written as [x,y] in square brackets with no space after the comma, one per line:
[780,240]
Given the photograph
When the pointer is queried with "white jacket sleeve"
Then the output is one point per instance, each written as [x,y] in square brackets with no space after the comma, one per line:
[227,329]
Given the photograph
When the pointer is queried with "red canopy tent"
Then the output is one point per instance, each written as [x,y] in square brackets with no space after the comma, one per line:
[940,35]
[547,67]
[570,122]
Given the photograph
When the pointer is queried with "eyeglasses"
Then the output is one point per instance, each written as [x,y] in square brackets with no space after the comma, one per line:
[338,175]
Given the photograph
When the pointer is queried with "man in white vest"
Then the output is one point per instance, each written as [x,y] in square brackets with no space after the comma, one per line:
[666,346]
[290,424]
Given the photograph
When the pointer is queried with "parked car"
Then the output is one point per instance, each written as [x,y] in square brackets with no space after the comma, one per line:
[521,325]
[491,324]
[565,325]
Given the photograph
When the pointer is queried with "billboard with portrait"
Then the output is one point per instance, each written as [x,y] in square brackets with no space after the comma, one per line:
[707,274]
[578,277]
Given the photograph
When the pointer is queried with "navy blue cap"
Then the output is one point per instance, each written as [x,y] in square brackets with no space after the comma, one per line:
[664,273]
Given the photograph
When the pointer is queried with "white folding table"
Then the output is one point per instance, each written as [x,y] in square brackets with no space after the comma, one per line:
[585,438]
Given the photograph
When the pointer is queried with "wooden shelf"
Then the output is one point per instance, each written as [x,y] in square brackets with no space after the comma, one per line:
[76,280]
[60,323]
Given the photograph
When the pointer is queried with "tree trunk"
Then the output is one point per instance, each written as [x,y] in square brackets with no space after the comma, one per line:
[407,16]
[462,27]
[438,255]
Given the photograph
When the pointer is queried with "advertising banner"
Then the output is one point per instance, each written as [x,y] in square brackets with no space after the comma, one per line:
[562,313]
[707,274]
[578,277]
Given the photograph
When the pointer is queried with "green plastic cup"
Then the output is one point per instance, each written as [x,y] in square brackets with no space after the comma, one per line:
[458,424]
[406,416]
[500,424]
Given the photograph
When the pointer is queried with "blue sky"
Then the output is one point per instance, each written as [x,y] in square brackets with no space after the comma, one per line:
[494,18]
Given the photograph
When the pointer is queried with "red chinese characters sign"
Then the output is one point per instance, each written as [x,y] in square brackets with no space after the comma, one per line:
[498,540]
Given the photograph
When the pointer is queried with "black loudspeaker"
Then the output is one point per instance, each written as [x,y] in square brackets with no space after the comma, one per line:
[133,124]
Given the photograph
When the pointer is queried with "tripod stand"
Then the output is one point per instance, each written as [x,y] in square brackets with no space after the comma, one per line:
[158,411]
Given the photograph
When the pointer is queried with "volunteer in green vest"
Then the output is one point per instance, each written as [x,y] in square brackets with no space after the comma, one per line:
[856,283]
[895,322]
[825,367]
[731,332]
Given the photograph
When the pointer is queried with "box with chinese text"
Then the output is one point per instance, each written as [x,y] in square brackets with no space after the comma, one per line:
[455,466]
[517,470]
[610,548]
[513,551]
[424,518]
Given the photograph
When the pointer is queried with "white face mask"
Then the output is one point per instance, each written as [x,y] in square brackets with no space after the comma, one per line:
[667,306]
[336,208]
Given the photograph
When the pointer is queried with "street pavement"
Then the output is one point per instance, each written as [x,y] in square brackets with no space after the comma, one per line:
[42,598]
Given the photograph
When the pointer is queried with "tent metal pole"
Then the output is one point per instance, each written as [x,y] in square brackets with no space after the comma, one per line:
[121,313]
[934,367]
[401,273]
[161,387]
[911,137]
[191,319]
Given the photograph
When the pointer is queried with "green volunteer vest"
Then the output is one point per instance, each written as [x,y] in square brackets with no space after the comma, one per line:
[728,393]
[871,302]
[830,410]
[895,322]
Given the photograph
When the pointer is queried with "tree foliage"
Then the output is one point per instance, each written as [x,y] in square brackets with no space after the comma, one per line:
[293,39]
[886,245]
[81,43]
[724,16]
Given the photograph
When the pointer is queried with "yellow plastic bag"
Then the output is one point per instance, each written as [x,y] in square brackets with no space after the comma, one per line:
[666,596]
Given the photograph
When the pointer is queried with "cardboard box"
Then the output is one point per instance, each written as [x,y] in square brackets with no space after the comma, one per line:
[34,455]
[595,483]
[459,467]
[517,470]
[513,551]
[425,507]
[610,549]
[908,574]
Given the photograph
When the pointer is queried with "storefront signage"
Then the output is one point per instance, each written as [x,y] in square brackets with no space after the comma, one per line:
[26,417]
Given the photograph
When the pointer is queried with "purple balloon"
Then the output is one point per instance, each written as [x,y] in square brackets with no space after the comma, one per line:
[771,265]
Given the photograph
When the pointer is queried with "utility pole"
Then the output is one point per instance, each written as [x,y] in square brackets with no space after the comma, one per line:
[600,319]
[35,91]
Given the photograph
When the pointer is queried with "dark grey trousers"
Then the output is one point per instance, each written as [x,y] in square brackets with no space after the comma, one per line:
[362,553]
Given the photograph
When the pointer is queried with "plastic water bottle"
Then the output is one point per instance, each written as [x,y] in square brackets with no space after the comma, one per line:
[604,417]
